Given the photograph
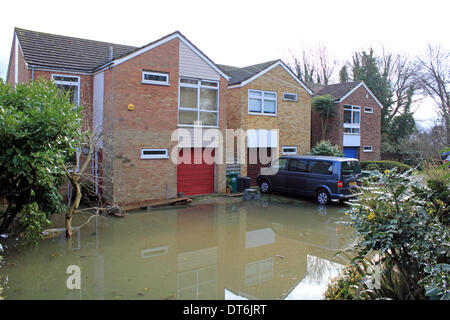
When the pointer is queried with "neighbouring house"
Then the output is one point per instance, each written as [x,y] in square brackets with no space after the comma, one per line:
[135,98]
[273,107]
[356,126]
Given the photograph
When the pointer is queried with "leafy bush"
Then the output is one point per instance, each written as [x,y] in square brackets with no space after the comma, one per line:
[396,220]
[325,148]
[39,128]
[382,165]
[345,286]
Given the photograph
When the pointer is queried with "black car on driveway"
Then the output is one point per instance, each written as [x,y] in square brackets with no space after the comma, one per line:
[325,178]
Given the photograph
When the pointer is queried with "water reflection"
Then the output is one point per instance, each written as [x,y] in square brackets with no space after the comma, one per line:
[220,250]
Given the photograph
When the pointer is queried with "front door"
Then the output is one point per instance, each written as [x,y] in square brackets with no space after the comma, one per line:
[351,152]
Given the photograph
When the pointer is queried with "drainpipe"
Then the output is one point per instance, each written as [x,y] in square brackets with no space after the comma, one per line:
[32,74]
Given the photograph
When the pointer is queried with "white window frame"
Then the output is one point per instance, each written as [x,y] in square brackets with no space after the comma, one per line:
[198,86]
[295,94]
[69,83]
[155,156]
[353,125]
[285,153]
[367,146]
[262,102]
[368,108]
[162,83]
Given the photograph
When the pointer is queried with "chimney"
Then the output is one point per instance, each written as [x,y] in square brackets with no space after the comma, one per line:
[111,52]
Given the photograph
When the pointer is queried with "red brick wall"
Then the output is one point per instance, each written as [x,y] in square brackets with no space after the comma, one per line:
[150,125]
[370,126]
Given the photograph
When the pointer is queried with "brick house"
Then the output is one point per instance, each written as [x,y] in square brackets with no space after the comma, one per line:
[135,98]
[274,108]
[356,126]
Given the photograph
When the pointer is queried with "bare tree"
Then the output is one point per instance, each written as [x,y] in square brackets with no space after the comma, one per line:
[314,65]
[433,75]
[398,72]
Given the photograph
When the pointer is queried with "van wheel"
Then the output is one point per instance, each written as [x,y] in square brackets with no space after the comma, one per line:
[264,186]
[323,197]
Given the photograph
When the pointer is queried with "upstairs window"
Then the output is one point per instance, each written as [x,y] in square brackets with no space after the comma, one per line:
[68,84]
[151,77]
[290,96]
[368,109]
[288,150]
[198,103]
[262,102]
[352,118]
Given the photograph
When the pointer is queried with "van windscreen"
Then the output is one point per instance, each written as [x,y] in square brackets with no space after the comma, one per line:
[350,167]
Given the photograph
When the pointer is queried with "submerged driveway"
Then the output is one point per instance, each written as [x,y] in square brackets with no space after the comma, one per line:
[218,248]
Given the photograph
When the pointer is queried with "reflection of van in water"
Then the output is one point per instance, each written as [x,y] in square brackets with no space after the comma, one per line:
[325,178]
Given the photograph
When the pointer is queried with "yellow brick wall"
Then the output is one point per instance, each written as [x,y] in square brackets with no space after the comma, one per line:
[293,118]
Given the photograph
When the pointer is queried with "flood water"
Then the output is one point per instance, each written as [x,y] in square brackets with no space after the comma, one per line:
[218,248]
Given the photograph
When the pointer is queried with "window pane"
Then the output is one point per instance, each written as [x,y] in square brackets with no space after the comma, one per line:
[254,105]
[269,95]
[321,167]
[189,81]
[347,116]
[281,164]
[350,167]
[71,90]
[208,118]
[208,99]
[255,93]
[188,97]
[356,116]
[209,83]
[187,117]
[67,79]
[269,106]
[298,165]
[355,130]
[155,77]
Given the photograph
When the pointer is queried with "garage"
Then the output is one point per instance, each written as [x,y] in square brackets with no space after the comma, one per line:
[254,169]
[260,143]
[195,178]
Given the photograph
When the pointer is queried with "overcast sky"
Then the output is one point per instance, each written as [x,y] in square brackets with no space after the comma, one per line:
[240,32]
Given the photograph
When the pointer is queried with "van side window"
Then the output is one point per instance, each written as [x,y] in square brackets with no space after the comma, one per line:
[298,165]
[281,164]
[321,167]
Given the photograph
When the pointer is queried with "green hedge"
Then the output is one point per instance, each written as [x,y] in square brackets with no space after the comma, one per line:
[382,165]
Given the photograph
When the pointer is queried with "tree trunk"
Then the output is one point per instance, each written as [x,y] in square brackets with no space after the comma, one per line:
[73,207]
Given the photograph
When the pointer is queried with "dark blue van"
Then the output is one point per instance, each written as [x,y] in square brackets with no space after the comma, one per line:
[324,178]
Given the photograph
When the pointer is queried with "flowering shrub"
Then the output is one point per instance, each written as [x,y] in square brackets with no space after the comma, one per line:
[399,223]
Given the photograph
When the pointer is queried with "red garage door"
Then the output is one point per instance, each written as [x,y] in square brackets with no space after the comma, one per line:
[195,178]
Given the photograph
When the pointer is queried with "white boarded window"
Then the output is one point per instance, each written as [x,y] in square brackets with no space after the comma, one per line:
[154,153]
[286,150]
[151,77]
[262,102]
[290,96]
[367,149]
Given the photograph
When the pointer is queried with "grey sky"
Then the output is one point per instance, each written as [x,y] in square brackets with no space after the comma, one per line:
[239,32]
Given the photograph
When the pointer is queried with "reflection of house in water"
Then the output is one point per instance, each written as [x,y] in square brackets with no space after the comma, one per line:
[211,251]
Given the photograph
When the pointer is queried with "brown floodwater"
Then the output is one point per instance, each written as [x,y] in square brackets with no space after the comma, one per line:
[217,248]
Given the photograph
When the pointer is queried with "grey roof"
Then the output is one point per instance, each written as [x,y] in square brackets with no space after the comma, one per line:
[337,90]
[67,53]
[238,75]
